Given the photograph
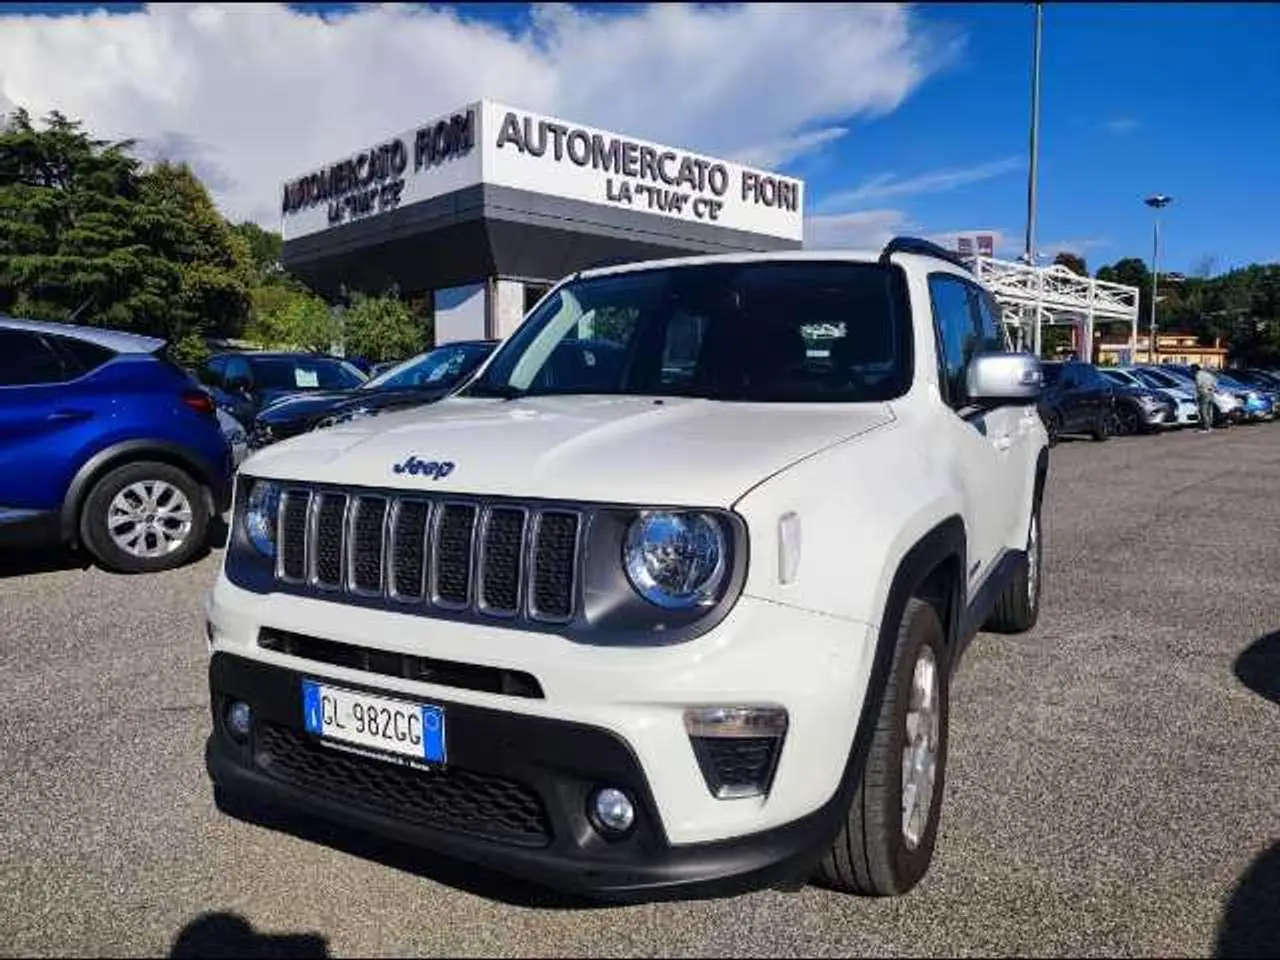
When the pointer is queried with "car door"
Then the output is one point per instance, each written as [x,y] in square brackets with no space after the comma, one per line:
[1021,425]
[980,438]
[1077,405]
[42,418]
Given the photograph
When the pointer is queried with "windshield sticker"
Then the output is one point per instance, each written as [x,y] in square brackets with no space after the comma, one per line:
[306,378]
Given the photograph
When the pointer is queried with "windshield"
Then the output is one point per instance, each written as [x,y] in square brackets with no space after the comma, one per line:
[1117,377]
[1150,380]
[772,331]
[1165,379]
[305,373]
[441,367]
[1052,372]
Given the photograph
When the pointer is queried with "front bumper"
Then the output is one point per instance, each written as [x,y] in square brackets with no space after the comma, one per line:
[513,797]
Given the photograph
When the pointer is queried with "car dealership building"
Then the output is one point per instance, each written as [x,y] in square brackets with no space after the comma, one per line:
[480,211]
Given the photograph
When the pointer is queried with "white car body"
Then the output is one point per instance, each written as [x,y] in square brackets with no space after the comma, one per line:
[835,500]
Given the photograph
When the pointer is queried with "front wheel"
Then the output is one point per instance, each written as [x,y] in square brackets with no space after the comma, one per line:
[1103,426]
[886,843]
[1127,422]
[144,517]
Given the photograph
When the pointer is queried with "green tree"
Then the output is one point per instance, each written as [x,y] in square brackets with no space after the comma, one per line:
[380,328]
[82,224]
[1073,262]
[264,250]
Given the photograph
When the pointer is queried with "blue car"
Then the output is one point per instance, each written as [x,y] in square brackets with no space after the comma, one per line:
[106,445]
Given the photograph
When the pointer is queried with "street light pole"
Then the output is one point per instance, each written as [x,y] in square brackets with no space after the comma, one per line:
[1156,202]
[1029,251]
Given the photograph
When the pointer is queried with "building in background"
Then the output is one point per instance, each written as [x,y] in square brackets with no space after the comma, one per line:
[479,212]
[1181,348]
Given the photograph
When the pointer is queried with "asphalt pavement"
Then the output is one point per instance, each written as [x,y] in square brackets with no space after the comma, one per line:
[1114,780]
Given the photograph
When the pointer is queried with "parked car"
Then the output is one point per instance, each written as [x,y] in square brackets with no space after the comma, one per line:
[637,630]
[419,380]
[1184,410]
[106,445]
[1139,408]
[1077,399]
[236,435]
[1227,407]
[1267,383]
[1255,403]
[244,383]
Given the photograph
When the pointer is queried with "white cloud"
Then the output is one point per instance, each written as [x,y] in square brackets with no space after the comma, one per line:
[780,152]
[1121,125]
[1078,247]
[255,94]
[887,185]
[864,230]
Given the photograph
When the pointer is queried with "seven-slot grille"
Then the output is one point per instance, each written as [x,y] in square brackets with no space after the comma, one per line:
[461,555]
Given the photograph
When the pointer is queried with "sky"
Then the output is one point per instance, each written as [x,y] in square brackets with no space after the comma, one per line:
[900,118]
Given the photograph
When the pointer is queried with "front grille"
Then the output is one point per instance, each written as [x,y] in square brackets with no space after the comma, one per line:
[460,801]
[450,554]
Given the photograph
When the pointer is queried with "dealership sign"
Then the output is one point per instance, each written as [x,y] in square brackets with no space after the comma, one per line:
[491,143]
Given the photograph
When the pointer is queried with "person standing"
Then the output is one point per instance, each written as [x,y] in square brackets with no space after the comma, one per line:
[1206,384]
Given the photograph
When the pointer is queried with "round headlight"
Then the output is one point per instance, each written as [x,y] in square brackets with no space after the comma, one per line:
[260,517]
[676,560]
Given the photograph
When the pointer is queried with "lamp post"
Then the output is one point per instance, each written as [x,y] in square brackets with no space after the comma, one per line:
[1156,202]
[1028,254]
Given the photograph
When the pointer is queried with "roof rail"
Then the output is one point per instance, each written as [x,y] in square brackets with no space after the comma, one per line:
[919,247]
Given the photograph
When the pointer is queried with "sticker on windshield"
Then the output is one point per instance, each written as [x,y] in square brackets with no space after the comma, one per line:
[306,378]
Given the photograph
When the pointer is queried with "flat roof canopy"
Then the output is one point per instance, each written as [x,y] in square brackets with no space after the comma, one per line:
[495,191]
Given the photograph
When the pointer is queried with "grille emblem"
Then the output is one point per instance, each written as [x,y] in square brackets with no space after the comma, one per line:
[435,469]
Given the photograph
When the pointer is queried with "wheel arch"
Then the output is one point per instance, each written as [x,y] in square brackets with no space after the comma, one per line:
[118,455]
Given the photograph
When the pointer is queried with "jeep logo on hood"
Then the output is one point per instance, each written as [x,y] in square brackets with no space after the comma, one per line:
[437,470]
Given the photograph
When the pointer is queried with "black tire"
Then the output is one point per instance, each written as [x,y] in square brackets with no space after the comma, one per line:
[1127,422]
[1053,427]
[1018,607]
[94,515]
[870,856]
[1102,426]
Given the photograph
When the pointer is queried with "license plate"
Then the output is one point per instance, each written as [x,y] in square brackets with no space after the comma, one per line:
[411,730]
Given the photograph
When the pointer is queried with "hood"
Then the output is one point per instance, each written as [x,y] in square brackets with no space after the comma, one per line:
[675,451]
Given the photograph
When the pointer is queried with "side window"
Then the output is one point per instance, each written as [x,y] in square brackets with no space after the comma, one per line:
[80,356]
[992,331]
[27,359]
[957,332]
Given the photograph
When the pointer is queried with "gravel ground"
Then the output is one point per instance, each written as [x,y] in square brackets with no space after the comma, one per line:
[1113,784]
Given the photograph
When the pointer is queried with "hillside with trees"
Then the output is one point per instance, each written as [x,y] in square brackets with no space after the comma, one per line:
[89,232]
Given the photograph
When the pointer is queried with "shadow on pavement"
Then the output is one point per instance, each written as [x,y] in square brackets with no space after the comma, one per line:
[1258,667]
[469,878]
[1249,927]
[25,562]
[228,935]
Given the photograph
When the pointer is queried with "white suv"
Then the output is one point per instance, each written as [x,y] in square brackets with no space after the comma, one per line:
[666,600]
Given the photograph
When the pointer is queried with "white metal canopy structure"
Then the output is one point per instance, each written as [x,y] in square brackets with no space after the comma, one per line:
[1030,297]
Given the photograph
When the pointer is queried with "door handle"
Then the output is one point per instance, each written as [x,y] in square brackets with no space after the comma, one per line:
[1002,442]
[70,415]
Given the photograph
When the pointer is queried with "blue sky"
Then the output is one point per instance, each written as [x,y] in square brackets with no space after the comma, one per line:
[1182,99]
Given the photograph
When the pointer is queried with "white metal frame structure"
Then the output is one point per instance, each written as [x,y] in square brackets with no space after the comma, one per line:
[1030,297]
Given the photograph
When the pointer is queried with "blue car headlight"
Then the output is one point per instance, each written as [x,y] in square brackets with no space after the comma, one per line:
[260,516]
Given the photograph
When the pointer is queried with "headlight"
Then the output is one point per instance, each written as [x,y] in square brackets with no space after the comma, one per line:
[676,560]
[1148,401]
[260,516]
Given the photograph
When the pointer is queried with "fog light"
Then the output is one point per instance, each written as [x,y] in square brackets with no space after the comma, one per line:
[239,718]
[613,810]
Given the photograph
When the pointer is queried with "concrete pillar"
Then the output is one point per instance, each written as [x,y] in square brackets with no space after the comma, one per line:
[506,310]
[460,313]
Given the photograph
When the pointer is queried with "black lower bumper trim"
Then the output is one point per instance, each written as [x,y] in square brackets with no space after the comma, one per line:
[559,762]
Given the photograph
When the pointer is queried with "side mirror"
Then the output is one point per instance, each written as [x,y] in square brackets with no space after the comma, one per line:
[237,385]
[1004,379]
